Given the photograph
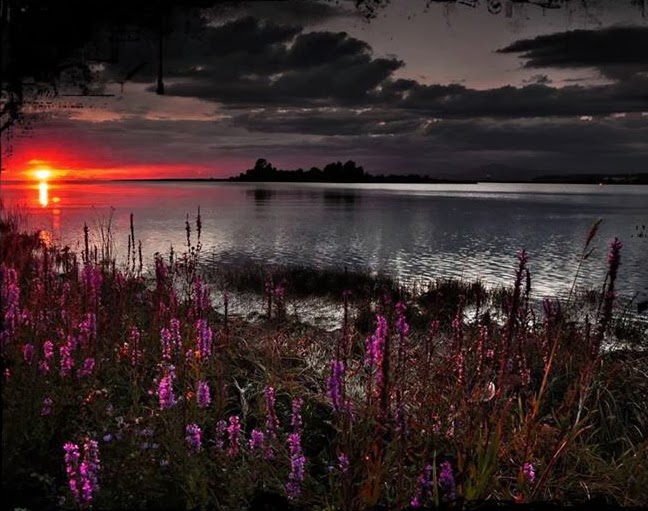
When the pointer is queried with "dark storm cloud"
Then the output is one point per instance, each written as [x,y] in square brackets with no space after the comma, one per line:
[253,62]
[325,68]
[324,47]
[350,77]
[617,52]
[316,66]
[328,121]
[536,100]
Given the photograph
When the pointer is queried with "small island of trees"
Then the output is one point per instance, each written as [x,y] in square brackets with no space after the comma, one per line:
[335,172]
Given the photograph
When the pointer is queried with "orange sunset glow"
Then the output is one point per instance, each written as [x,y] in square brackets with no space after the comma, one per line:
[73,161]
[38,169]
[41,170]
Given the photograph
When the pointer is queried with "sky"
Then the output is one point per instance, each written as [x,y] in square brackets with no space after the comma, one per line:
[445,91]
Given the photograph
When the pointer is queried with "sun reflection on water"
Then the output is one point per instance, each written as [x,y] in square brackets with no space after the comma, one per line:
[43,194]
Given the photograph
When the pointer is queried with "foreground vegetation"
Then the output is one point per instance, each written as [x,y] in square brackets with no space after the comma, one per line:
[123,390]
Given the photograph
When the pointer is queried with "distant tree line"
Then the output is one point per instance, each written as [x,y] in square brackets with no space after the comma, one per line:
[263,170]
[335,172]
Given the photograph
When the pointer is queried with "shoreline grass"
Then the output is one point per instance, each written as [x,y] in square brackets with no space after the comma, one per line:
[122,391]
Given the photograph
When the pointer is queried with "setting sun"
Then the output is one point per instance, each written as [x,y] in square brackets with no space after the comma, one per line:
[42,174]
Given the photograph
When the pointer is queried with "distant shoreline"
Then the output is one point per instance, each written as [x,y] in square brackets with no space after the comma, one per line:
[606,180]
[431,181]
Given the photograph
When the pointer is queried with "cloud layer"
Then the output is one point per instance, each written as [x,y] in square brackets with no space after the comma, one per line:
[265,80]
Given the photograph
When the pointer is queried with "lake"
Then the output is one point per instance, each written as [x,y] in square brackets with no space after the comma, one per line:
[415,232]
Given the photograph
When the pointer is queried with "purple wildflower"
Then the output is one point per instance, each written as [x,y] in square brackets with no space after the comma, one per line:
[234,433]
[11,300]
[272,423]
[48,350]
[375,352]
[402,327]
[47,406]
[423,487]
[88,328]
[401,322]
[204,339]
[88,367]
[221,432]
[256,439]
[335,384]
[170,339]
[203,397]
[376,343]
[134,337]
[529,472]
[73,342]
[201,297]
[67,362]
[88,470]
[297,466]
[194,437]
[48,353]
[343,463]
[296,420]
[165,341]
[297,458]
[92,279]
[165,393]
[447,481]
[71,459]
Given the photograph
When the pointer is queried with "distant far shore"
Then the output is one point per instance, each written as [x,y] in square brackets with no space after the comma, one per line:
[635,179]
[316,176]
[402,181]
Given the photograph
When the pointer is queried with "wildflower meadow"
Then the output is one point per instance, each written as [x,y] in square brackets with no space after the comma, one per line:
[128,388]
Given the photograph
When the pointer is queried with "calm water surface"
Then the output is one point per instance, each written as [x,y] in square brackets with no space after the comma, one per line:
[415,232]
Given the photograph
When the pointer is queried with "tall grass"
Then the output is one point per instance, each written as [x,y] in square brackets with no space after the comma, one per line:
[127,391]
